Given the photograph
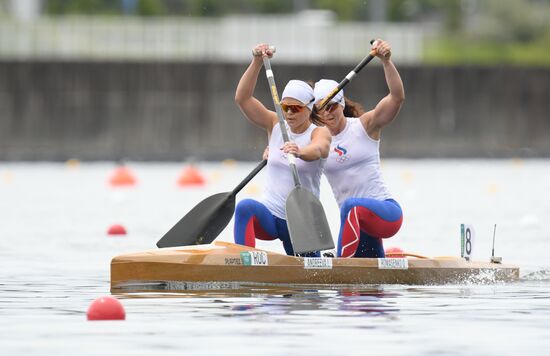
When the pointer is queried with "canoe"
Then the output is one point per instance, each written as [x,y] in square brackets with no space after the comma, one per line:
[224,263]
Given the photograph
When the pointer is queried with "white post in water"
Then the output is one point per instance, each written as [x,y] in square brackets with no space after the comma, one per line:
[466,241]
[495,259]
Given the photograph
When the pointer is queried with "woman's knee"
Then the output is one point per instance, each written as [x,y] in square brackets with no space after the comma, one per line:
[347,205]
[245,207]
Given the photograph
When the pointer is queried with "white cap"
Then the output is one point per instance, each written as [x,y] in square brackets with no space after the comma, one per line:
[324,87]
[299,90]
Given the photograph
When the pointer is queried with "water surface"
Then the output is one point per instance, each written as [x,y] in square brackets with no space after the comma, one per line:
[55,257]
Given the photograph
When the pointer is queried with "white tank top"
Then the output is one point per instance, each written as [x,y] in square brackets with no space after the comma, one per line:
[279,181]
[353,164]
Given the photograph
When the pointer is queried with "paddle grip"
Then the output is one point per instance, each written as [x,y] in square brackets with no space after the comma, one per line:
[256,53]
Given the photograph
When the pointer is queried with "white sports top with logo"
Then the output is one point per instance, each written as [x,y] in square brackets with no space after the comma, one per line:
[279,181]
[353,165]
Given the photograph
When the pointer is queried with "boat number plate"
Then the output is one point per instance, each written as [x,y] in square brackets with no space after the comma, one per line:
[317,263]
[254,258]
[393,263]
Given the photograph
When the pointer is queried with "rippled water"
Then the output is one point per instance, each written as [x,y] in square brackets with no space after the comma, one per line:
[55,257]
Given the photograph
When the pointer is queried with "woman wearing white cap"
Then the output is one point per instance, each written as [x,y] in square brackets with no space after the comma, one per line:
[266,219]
[368,212]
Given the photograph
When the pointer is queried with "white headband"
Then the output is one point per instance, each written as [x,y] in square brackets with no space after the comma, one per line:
[324,87]
[299,90]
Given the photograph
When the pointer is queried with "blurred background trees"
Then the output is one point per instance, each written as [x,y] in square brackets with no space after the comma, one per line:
[458,31]
[453,31]
[155,79]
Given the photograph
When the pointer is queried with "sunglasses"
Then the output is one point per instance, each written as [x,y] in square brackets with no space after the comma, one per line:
[331,107]
[294,108]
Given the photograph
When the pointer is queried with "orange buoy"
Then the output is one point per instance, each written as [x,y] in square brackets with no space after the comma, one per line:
[394,252]
[191,176]
[106,308]
[116,229]
[122,176]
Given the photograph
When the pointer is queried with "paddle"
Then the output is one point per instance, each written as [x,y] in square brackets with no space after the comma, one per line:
[347,79]
[306,219]
[205,221]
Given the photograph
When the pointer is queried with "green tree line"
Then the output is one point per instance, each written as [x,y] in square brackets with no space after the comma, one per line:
[346,10]
[469,31]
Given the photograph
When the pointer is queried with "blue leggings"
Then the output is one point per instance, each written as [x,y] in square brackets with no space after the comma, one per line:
[254,221]
[364,223]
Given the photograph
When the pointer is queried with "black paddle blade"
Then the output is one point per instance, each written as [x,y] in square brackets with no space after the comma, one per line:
[307,222]
[203,223]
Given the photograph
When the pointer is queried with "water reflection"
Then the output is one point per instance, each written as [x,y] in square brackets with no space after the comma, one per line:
[280,300]
[374,301]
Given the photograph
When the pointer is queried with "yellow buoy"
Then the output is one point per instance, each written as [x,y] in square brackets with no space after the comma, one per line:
[7,177]
[407,176]
[229,163]
[72,163]
[252,189]
[493,188]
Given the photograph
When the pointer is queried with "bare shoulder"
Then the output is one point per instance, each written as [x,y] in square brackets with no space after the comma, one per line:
[369,124]
[321,132]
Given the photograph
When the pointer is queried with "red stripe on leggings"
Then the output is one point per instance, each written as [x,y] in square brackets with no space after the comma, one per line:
[363,219]
[255,231]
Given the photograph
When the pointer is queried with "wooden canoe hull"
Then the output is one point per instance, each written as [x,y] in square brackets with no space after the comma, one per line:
[227,262]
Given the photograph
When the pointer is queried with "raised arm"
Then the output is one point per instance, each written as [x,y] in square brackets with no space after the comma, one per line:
[251,107]
[319,146]
[388,108]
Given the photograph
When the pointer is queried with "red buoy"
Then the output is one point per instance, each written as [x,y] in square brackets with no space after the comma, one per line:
[191,176]
[116,229]
[106,308]
[394,252]
[122,176]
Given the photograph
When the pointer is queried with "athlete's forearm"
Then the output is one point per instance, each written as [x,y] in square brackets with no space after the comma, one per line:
[310,153]
[245,88]
[393,80]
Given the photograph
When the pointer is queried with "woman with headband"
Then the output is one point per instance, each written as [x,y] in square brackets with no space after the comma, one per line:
[265,219]
[368,212]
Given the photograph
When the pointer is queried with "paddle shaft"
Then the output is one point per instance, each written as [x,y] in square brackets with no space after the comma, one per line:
[249,177]
[275,96]
[347,79]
